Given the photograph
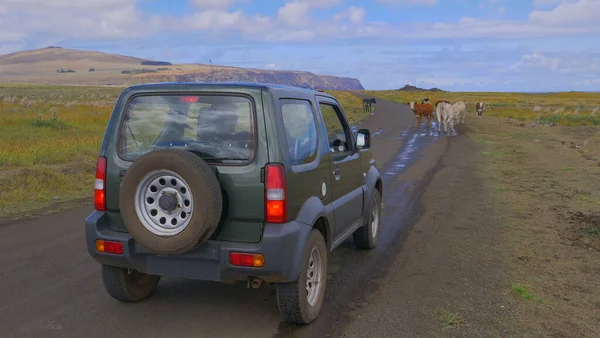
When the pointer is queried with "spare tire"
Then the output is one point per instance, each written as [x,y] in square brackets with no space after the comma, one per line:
[170,201]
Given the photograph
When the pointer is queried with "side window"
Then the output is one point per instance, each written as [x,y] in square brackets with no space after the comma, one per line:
[338,137]
[301,130]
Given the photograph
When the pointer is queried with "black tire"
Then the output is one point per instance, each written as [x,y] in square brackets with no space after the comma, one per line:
[363,236]
[292,297]
[204,186]
[128,285]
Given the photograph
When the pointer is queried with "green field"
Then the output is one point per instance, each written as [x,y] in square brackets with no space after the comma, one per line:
[50,135]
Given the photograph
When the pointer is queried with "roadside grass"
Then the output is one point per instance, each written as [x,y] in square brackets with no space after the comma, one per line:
[546,186]
[351,104]
[449,319]
[524,292]
[50,136]
[568,108]
[55,132]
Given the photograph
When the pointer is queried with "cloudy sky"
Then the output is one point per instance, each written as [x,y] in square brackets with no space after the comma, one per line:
[482,45]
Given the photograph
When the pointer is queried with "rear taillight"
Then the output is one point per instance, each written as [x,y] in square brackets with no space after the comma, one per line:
[247,259]
[109,247]
[100,185]
[275,194]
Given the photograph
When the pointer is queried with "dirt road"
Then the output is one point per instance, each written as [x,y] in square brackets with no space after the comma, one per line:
[50,287]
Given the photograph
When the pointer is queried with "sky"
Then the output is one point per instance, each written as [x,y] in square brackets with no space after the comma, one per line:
[458,45]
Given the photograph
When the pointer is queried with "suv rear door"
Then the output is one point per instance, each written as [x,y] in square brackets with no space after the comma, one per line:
[347,179]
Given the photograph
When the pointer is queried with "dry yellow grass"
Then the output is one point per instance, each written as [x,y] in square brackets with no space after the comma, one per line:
[40,67]
[351,104]
[50,135]
[568,108]
[49,140]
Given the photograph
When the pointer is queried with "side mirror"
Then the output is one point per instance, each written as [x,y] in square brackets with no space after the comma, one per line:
[363,139]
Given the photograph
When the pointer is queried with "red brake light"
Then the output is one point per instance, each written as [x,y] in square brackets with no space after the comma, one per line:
[275,194]
[189,99]
[100,185]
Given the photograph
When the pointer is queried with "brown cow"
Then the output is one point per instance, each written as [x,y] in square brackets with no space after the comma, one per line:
[420,110]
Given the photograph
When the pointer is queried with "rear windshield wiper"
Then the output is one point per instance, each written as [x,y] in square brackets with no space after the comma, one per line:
[221,159]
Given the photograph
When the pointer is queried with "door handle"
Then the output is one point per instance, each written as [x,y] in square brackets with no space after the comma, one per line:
[336,172]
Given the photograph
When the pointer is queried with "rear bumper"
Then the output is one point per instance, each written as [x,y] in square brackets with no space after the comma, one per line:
[281,246]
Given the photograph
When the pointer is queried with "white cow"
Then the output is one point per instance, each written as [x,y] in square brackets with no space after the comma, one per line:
[459,109]
[444,112]
[479,108]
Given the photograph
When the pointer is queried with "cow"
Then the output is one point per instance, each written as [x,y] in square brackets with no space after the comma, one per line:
[444,113]
[440,101]
[420,110]
[479,108]
[459,109]
[367,103]
[425,100]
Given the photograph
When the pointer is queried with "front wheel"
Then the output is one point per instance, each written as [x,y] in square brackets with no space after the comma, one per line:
[128,285]
[367,236]
[300,302]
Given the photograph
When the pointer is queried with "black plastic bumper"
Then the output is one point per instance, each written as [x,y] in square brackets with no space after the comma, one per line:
[281,246]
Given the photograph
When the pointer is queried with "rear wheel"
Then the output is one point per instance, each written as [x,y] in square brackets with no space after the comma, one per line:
[367,236]
[300,302]
[128,285]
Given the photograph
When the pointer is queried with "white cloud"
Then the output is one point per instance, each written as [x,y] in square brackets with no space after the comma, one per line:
[84,19]
[320,3]
[545,3]
[215,4]
[537,60]
[297,13]
[409,2]
[89,20]
[211,19]
[578,65]
[354,14]
[580,12]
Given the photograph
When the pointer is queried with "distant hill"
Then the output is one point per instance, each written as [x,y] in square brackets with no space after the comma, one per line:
[409,88]
[56,65]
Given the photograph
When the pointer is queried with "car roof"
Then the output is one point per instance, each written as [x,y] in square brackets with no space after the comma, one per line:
[206,85]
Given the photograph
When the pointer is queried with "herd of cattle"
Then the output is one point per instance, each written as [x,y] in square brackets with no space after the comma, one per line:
[448,114]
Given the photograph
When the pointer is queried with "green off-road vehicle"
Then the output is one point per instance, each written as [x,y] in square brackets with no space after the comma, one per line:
[230,182]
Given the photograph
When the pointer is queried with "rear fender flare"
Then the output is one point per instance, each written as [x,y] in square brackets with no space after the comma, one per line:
[371,187]
[312,210]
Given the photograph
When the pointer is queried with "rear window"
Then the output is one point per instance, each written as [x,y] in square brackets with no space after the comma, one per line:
[219,128]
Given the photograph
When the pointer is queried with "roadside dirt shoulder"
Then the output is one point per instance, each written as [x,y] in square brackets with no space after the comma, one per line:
[546,186]
[450,276]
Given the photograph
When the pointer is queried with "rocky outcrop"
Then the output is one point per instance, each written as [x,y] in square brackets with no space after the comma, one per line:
[291,78]
[411,88]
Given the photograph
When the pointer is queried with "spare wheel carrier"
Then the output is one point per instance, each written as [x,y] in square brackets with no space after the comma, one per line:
[170,201]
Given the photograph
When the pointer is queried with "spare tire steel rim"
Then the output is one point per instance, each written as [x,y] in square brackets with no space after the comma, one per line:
[164,203]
